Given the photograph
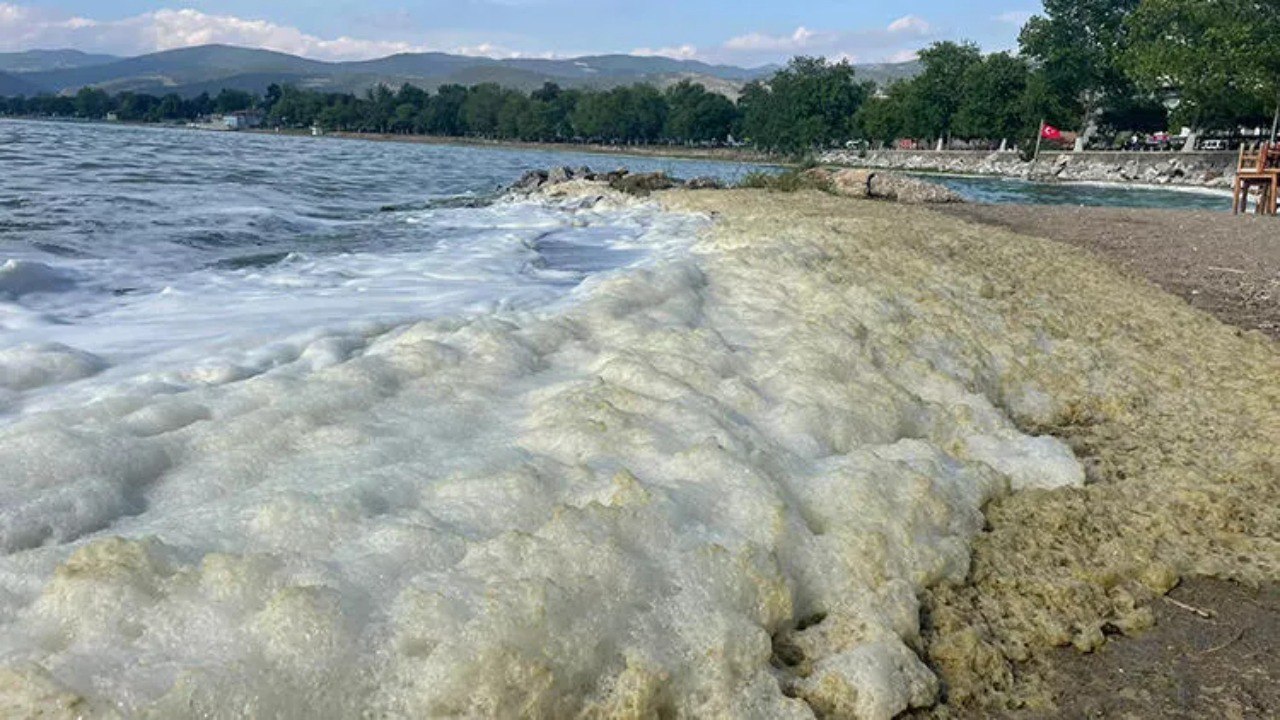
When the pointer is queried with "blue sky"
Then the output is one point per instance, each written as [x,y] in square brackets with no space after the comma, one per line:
[745,32]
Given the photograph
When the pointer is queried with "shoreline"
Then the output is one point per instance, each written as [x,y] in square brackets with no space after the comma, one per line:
[1201,169]
[727,155]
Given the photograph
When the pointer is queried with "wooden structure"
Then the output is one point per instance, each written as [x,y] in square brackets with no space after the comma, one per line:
[1259,168]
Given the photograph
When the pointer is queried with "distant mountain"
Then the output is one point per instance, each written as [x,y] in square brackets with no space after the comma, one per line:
[11,85]
[210,68]
[886,73]
[40,60]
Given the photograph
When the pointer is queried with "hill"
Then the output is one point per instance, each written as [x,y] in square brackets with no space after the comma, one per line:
[11,85]
[209,68]
[40,60]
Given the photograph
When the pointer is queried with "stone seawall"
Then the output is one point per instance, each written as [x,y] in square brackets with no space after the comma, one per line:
[1159,168]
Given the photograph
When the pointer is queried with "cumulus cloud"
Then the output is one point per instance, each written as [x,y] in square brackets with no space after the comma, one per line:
[681,52]
[23,27]
[910,24]
[898,40]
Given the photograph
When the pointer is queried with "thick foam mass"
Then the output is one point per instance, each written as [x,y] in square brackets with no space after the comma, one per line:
[710,487]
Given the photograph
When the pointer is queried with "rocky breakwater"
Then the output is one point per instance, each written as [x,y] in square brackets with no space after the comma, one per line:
[872,185]
[863,184]
[622,180]
[1189,169]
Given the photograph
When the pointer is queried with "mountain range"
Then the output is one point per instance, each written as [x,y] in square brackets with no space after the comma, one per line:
[210,68]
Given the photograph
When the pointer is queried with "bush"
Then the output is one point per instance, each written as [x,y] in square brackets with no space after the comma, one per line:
[788,180]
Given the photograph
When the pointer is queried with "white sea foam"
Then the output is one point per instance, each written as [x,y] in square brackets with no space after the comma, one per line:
[611,505]
[22,277]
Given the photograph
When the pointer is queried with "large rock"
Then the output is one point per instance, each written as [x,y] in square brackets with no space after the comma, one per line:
[703,183]
[642,184]
[530,181]
[852,183]
[904,189]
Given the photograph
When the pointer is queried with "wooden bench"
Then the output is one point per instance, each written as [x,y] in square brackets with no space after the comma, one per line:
[1258,168]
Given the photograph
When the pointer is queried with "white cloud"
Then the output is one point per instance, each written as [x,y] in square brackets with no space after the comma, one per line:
[682,52]
[896,42]
[25,27]
[910,24]
[1014,17]
[797,41]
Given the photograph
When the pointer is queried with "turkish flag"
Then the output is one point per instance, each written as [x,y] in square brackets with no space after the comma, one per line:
[1049,132]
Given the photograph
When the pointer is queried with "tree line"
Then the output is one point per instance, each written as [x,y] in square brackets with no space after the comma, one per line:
[685,112]
[1094,65]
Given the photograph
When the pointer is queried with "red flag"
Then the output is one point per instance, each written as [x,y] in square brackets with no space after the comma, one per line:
[1049,132]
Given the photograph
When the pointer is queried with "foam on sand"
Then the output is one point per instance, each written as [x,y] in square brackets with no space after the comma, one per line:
[713,487]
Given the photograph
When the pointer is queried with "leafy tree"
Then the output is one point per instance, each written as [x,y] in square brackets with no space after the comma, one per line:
[939,89]
[229,101]
[1220,57]
[443,115]
[694,114]
[480,109]
[92,103]
[883,118]
[991,104]
[811,103]
[1077,46]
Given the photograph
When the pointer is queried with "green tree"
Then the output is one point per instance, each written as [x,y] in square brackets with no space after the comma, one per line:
[233,100]
[809,104]
[882,118]
[694,114]
[92,103]
[1220,58]
[480,109]
[443,114]
[940,88]
[1077,45]
[991,104]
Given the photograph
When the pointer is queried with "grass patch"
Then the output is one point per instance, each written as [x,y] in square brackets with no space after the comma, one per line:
[791,180]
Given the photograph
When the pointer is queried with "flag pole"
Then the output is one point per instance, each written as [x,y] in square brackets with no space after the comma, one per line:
[1039,137]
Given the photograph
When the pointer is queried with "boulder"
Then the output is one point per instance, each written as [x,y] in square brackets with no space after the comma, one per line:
[703,183]
[852,183]
[904,189]
[559,175]
[530,181]
[641,184]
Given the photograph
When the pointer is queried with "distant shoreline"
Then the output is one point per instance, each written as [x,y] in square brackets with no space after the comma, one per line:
[734,155]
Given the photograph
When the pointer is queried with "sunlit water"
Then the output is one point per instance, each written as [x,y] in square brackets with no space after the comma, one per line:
[1002,191]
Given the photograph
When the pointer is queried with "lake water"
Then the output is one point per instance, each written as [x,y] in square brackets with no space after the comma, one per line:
[295,427]
[998,190]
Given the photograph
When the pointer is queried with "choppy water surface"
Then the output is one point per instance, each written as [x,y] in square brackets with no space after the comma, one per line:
[1004,191]
[136,244]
